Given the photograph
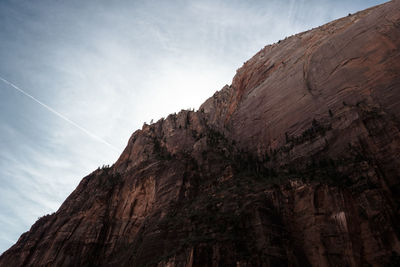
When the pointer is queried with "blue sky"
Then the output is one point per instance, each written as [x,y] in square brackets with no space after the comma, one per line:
[109,66]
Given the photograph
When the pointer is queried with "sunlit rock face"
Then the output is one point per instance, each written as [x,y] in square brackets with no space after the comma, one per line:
[296,163]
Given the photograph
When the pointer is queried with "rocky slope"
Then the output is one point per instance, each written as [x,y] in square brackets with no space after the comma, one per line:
[296,163]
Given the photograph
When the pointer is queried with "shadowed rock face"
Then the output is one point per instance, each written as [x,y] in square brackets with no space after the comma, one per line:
[294,164]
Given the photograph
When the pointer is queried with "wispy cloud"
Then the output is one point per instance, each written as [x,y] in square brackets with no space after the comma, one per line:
[60,115]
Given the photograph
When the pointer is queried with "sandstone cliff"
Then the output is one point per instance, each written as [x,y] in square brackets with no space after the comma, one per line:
[296,163]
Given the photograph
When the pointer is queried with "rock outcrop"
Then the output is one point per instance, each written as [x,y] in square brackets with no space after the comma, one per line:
[296,163]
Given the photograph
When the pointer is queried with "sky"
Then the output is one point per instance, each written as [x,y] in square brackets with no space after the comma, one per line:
[77,78]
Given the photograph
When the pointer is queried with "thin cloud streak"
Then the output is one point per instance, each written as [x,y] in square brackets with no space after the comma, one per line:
[101,140]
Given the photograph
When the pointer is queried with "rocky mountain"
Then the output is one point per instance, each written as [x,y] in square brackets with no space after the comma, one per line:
[296,163]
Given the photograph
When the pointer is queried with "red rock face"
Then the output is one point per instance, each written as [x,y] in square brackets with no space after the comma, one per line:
[294,164]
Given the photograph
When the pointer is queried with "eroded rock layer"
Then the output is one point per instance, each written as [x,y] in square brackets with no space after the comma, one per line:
[296,163]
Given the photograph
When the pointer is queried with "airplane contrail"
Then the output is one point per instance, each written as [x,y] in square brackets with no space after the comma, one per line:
[60,115]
